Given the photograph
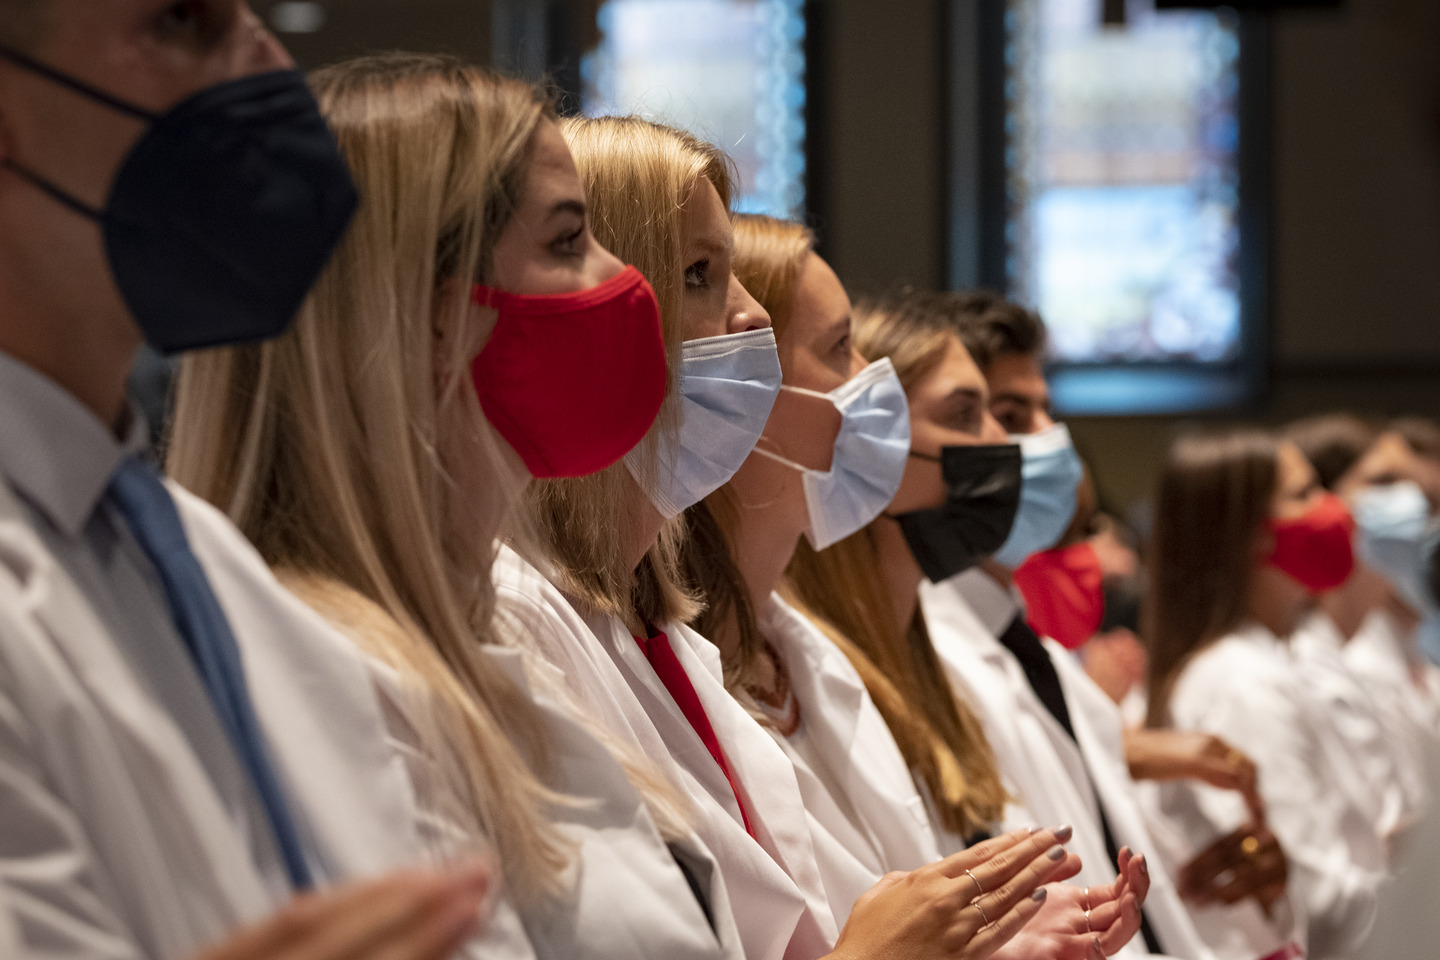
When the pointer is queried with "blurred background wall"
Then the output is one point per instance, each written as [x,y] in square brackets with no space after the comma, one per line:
[1352,307]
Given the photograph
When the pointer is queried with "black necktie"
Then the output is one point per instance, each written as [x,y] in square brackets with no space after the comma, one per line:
[1035,660]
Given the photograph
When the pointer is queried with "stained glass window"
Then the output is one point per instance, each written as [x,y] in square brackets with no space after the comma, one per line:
[1122,164]
[730,71]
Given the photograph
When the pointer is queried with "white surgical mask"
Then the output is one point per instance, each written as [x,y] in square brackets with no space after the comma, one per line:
[1393,520]
[727,385]
[1048,493]
[869,459]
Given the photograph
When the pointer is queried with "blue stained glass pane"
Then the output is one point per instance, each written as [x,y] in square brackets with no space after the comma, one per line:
[730,71]
[1122,188]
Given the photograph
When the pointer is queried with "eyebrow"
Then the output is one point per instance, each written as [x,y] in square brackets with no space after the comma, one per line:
[567,206]
[965,393]
[1019,398]
[714,246]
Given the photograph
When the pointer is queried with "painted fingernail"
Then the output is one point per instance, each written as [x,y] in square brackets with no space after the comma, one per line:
[1058,853]
[1063,834]
[1039,895]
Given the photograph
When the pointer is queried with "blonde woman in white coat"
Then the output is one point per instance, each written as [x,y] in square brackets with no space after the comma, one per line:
[1222,604]
[834,452]
[660,198]
[373,453]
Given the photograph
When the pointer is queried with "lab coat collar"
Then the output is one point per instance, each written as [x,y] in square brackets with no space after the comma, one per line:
[56,453]
[992,603]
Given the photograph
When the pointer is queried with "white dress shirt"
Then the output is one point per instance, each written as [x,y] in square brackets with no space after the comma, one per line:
[127,826]
[1055,780]
[775,918]
[1246,689]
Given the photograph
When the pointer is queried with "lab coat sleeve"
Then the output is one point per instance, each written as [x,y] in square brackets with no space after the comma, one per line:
[51,884]
[1305,813]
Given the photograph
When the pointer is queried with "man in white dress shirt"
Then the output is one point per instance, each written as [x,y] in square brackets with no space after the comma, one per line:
[183,746]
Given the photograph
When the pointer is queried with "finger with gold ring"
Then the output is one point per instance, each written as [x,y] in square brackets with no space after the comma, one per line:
[1250,846]
[979,888]
[1087,921]
[976,904]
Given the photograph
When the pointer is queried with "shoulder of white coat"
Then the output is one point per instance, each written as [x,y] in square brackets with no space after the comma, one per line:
[1246,669]
[25,564]
[702,647]
[952,623]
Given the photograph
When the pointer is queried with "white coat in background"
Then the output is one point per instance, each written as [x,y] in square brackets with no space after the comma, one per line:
[852,775]
[129,851]
[1054,780]
[1246,689]
[775,918]
[1380,657]
[1387,775]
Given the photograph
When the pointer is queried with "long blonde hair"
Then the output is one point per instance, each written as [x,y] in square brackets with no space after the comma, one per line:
[638,176]
[330,446]
[841,589]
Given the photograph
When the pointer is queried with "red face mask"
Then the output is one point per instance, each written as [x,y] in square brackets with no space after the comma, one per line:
[572,381]
[1316,548]
[1064,595]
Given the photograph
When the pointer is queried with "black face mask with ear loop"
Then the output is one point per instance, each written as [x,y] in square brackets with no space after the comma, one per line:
[225,211]
[982,497]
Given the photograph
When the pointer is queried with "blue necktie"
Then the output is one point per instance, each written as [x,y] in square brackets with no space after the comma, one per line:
[141,496]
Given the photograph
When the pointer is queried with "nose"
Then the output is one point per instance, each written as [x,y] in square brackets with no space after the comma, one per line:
[264,51]
[991,431]
[1041,420]
[743,312]
[601,264]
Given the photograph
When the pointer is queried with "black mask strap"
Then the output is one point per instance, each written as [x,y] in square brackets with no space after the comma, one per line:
[84,89]
[79,86]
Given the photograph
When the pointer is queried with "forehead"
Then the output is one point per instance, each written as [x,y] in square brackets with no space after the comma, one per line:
[550,169]
[820,298]
[1294,470]
[704,220]
[956,371]
[1017,373]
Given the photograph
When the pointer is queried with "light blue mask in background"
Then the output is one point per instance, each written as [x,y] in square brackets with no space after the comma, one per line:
[1050,484]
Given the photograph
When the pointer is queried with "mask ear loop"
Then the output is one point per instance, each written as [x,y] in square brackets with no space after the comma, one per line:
[778,459]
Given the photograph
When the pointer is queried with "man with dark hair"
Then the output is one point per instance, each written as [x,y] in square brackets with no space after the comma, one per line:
[1009,343]
[184,748]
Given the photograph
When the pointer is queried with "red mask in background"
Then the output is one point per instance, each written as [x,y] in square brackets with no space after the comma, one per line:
[1064,595]
[572,381]
[1316,549]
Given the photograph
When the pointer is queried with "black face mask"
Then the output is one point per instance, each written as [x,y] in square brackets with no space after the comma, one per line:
[223,214]
[982,497]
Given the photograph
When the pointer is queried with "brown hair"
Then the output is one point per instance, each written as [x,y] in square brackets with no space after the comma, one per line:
[638,177]
[991,326]
[1333,443]
[769,255]
[840,588]
[1213,499]
[330,447]
[1422,433]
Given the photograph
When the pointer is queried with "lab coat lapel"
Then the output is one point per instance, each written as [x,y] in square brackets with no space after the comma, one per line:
[128,769]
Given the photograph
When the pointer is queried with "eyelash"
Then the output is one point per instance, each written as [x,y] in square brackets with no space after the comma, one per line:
[697,275]
[565,246]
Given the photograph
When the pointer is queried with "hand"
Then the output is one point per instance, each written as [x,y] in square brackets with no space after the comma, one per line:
[1192,755]
[933,913]
[1085,923]
[1246,863]
[414,915]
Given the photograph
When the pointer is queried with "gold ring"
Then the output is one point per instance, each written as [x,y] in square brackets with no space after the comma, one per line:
[976,904]
[979,888]
[1236,757]
[1250,846]
[1087,921]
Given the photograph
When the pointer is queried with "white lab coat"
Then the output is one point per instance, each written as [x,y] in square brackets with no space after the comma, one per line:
[1054,780]
[140,857]
[775,918]
[852,775]
[1385,776]
[624,894]
[1246,689]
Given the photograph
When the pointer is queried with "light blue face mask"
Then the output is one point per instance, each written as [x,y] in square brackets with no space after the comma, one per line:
[727,386]
[870,454]
[1392,521]
[1050,484]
